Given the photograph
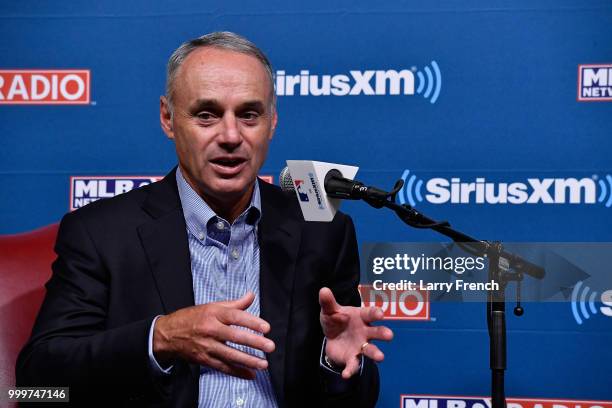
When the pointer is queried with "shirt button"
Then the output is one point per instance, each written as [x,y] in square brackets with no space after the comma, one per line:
[240,401]
[235,253]
[201,235]
[220,225]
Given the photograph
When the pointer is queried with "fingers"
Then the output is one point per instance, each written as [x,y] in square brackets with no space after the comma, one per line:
[242,303]
[246,338]
[236,371]
[328,301]
[241,318]
[373,352]
[351,368]
[371,314]
[234,357]
[379,333]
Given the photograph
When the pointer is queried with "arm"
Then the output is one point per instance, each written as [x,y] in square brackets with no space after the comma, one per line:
[70,344]
[347,329]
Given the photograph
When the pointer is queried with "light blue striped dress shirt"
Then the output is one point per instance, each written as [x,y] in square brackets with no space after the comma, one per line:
[224,266]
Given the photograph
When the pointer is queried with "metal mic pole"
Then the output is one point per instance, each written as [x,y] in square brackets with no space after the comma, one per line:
[496,323]
[500,264]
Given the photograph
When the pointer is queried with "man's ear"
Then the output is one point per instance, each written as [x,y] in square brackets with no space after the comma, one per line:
[165,117]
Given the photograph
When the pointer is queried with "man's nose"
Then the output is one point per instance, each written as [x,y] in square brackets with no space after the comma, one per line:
[230,136]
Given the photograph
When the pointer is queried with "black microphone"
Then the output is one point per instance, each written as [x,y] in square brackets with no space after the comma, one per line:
[337,186]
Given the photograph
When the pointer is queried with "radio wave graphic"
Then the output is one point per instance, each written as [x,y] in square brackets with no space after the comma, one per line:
[605,190]
[432,83]
[580,302]
[411,191]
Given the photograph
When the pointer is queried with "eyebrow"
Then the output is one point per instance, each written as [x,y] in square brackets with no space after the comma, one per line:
[214,104]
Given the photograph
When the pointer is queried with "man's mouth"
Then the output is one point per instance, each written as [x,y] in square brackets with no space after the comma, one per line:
[228,165]
[228,162]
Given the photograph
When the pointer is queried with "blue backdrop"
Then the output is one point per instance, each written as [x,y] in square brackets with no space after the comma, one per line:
[509,77]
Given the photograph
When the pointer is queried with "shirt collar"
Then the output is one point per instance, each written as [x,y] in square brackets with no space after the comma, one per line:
[198,213]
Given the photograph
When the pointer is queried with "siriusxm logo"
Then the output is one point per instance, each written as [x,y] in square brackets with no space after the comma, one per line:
[426,82]
[582,296]
[87,189]
[440,190]
[315,187]
[595,82]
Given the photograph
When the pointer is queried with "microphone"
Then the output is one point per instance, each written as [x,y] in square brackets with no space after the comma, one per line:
[320,186]
[337,186]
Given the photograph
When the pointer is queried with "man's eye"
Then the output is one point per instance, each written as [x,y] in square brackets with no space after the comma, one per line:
[205,115]
[250,116]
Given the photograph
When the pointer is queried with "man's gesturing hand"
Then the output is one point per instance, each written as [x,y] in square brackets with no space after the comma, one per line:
[198,334]
[348,333]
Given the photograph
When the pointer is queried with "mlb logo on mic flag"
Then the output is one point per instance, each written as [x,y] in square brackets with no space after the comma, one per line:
[45,87]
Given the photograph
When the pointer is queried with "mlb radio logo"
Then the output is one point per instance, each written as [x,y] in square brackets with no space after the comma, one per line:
[595,82]
[443,401]
[87,189]
[397,304]
[45,87]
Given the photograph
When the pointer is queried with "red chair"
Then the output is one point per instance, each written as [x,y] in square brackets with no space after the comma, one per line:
[25,267]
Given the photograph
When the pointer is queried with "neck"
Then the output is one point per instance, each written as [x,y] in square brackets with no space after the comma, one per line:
[228,208]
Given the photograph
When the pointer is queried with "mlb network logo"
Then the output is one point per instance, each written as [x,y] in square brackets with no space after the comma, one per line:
[87,189]
[532,190]
[397,304]
[442,401]
[595,82]
[426,82]
[44,87]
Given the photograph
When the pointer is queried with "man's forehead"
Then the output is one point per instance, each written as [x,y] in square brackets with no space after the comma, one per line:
[210,63]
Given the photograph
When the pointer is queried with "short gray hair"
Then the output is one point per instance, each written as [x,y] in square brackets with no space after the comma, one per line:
[225,40]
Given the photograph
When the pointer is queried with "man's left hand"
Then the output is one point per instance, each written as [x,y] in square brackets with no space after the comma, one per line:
[348,333]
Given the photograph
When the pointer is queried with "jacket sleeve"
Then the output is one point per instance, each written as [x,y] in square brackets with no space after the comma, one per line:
[363,389]
[70,344]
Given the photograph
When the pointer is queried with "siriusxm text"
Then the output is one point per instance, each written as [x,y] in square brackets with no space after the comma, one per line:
[371,82]
[533,191]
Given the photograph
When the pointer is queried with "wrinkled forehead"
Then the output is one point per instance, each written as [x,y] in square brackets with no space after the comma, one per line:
[213,73]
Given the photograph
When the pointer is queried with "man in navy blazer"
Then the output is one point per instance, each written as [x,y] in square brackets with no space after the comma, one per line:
[120,324]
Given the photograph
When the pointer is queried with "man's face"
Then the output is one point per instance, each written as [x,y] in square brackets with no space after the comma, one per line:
[223,122]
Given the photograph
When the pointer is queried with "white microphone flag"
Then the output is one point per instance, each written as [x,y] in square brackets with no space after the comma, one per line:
[309,186]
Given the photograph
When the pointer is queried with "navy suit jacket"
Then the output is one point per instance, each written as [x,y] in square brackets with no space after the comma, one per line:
[124,260]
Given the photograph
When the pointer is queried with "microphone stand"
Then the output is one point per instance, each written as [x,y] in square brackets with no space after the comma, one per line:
[504,267]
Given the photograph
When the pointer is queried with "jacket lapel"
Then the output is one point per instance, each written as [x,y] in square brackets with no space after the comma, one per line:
[164,239]
[279,240]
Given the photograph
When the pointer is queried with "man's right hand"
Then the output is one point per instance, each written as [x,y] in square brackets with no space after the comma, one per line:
[198,334]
